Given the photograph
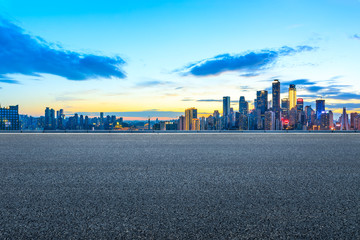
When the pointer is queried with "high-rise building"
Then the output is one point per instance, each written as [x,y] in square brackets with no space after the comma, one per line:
[101,120]
[292,96]
[320,108]
[195,125]
[226,112]
[190,114]
[243,106]
[324,121]
[262,101]
[300,104]
[9,118]
[269,120]
[353,116]
[331,120]
[285,103]
[276,103]
[50,121]
[60,118]
[262,107]
[344,121]
[181,125]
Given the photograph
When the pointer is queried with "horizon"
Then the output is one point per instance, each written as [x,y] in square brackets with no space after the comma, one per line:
[123,57]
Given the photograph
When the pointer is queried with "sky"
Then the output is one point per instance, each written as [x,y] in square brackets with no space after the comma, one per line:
[155,58]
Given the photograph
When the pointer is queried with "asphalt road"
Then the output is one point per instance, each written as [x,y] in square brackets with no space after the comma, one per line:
[180,186]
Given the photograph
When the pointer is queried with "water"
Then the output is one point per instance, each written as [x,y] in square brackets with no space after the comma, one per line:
[178,186]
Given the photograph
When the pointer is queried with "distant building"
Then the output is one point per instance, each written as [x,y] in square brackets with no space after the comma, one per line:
[226,112]
[300,104]
[261,108]
[50,121]
[9,118]
[195,126]
[292,96]
[269,120]
[353,116]
[324,121]
[320,108]
[276,103]
[243,106]
[344,121]
[285,103]
[190,114]
[181,124]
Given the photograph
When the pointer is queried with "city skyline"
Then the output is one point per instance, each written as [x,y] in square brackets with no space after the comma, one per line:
[125,59]
[287,113]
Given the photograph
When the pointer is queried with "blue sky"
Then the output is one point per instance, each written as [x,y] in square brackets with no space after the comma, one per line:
[160,57]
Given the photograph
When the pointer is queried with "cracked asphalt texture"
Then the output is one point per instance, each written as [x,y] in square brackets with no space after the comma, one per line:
[180,186]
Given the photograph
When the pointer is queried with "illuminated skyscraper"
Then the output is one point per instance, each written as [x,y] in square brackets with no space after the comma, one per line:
[285,103]
[320,108]
[262,101]
[243,106]
[276,103]
[190,114]
[292,96]
[300,104]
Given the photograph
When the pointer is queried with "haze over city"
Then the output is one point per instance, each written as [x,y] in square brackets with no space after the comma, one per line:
[156,58]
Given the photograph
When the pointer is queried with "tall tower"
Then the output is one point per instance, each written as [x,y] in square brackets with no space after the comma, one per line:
[300,104]
[292,96]
[190,114]
[344,121]
[226,112]
[243,106]
[262,101]
[276,102]
[320,108]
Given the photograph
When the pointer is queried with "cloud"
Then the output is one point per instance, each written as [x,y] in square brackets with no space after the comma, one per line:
[8,80]
[356,36]
[249,62]
[21,53]
[151,83]
[249,75]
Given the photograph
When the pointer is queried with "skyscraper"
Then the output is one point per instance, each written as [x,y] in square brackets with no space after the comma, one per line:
[261,107]
[300,104]
[181,125]
[226,112]
[285,103]
[344,121]
[276,103]
[190,114]
[269,120]
[243,106]
[50,122]
[292,96]
[262,101]
[320,108]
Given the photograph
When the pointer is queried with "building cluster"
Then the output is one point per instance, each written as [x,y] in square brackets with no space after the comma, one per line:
[9,118]
[58,121]
[278,114]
